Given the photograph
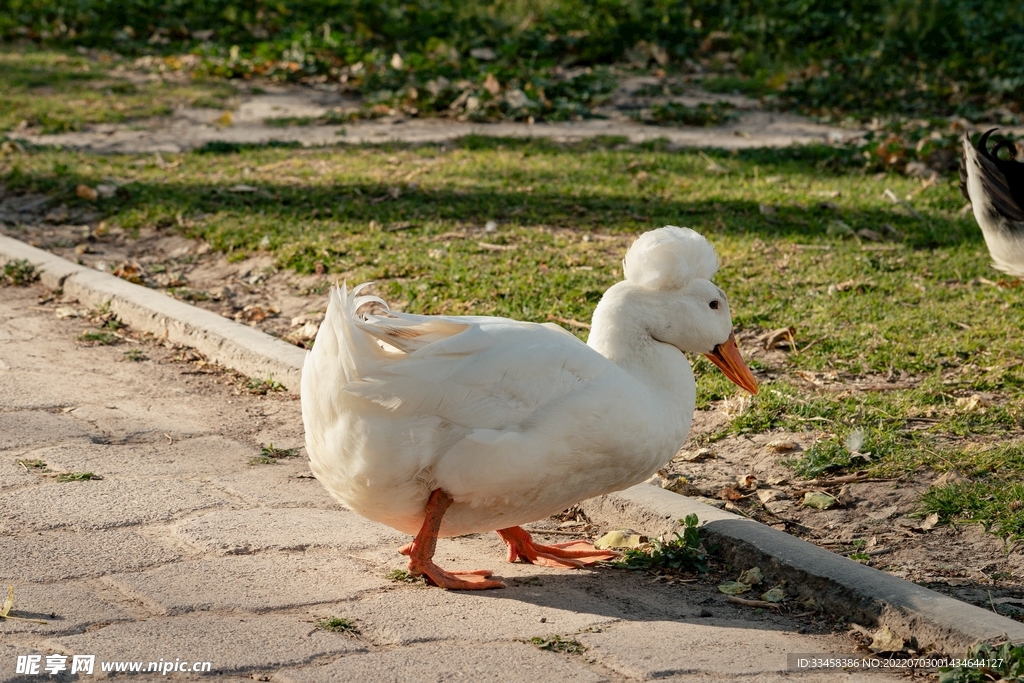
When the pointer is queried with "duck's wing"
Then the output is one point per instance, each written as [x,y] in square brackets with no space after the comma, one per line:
[997,185]
[478,373]
[995,188]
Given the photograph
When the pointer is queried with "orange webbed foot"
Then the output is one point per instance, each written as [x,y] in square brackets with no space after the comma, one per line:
[570,555]
[460,581]
[421,552]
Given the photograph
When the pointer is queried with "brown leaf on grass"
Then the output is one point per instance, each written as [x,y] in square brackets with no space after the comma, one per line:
[949,478]
[781,338]
[87,193]
[492,85]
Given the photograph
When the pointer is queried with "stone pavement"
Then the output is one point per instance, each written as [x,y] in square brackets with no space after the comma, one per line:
[184,551]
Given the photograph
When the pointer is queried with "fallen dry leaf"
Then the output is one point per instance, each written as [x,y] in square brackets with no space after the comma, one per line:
[770,495]
[781,446]
[752,576]
[821,501]
[132,272]
[886,641]
[86,192]
[780,338]
[746,481]
[950,478]
[733,587]
[729,493]
[929,522]
[699,455]
[620,538]
[776,594]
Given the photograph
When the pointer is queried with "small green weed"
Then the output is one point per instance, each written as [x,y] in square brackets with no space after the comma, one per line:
[402,576]
[261,387]
[685,553]
[269,455]
[19,273]
[568,646]
[271,451]
[135,355]
[77,476]
[35,464]
[338,625]
[98,337]
[1003,663]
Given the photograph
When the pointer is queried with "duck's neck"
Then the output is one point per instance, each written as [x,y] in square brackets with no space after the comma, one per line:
[619,332]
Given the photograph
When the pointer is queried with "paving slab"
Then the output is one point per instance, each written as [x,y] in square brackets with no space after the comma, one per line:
[66,607]
[646,651]
[499,662]
[249,583]
[104,504]
[284,484]
[23,427]
[233,532]
[162,458]
[230,643]
[412,614]
[59,556]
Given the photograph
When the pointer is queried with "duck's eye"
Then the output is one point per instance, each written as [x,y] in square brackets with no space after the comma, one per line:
[714,304]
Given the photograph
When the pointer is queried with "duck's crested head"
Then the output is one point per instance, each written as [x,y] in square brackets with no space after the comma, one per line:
[669,258]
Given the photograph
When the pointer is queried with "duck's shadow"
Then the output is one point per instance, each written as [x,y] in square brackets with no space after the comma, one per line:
[628,595]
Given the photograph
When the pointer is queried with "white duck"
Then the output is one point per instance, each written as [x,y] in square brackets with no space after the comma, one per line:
[995,188]
[442,426]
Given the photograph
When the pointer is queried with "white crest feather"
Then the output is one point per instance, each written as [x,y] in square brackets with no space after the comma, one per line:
[669,257]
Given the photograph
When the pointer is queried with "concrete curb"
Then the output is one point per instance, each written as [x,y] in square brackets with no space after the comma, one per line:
[864,595]
[841,586]
[224,341]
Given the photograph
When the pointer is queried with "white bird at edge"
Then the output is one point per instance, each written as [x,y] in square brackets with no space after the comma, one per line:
[445,425]
[995,189]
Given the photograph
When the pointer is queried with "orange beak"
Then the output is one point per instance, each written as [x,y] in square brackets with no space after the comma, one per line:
[728,359]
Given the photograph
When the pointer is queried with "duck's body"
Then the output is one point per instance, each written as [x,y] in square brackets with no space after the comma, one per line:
[471,424]
[516,421]
[995,188]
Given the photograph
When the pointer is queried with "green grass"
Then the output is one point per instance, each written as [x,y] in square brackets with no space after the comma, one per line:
[918,307]
[402,576]
[920,56]
[77,476]
[18,272]
[564,645]
[685,552]
[338,625]
[99,337]
[990,663]
[56,92]
[33,464]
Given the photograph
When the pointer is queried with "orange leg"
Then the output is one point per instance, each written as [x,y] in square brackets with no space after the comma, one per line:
[421,552]
[573,554]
